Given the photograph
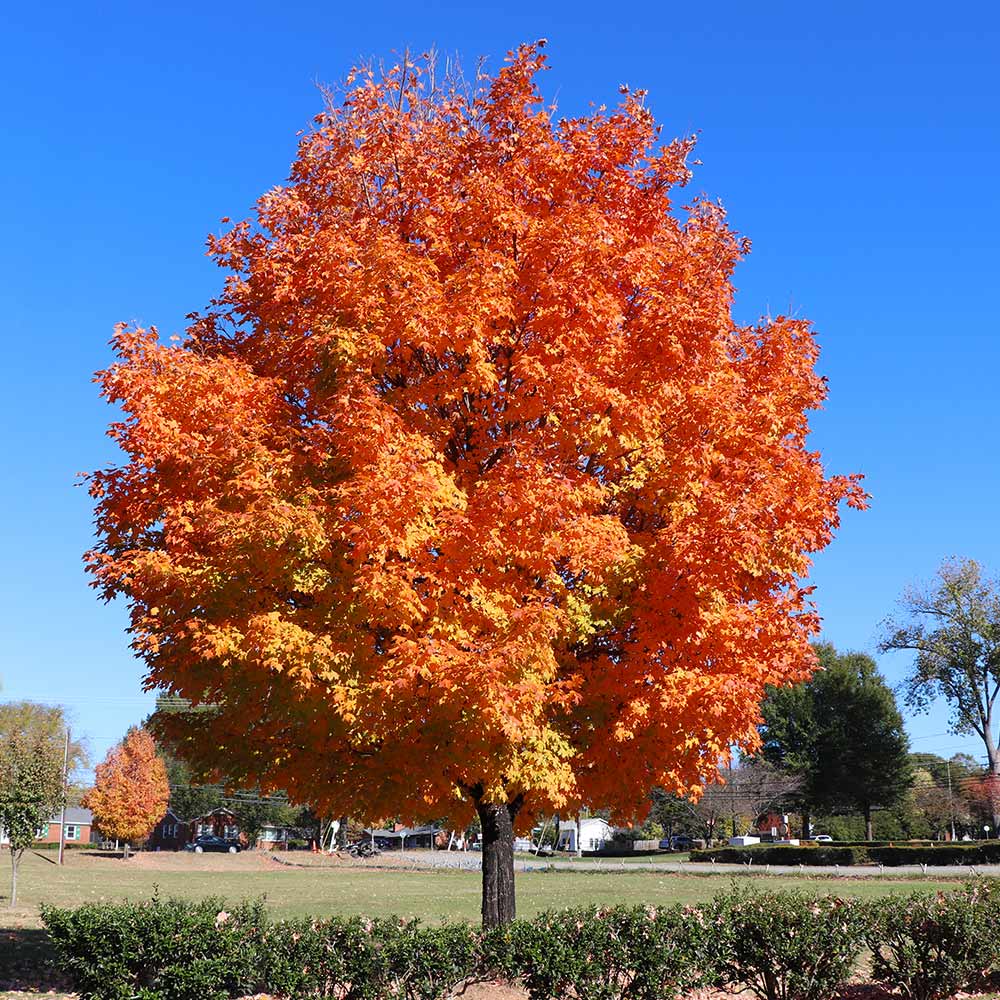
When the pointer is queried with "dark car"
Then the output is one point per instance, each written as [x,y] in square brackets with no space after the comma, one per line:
[209,842]
[680,842]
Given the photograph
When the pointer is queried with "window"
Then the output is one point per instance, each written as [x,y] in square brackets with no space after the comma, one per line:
[72,831]
[42,831]
[169,829]
[232,832]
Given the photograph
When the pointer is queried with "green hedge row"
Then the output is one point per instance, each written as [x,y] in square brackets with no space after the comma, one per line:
[777,945]
[987,852]
[70,845]
[784,855]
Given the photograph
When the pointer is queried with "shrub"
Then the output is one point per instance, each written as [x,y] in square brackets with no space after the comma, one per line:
[786,945]
[641,953]
[784,855]
[69,845]
[984,853]
[178,950]
[157,950]
[930,947]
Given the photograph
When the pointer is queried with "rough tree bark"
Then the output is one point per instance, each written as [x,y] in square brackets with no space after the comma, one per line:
[497,821]
[868,821]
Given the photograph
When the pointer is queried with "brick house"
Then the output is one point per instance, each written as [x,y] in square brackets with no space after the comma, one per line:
[170,834]
[219,823]
[79,828]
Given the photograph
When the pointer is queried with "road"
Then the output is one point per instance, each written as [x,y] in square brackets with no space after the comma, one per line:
[470,861]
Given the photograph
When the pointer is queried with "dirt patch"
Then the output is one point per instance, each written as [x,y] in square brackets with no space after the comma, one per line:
[493,991]
[188,861]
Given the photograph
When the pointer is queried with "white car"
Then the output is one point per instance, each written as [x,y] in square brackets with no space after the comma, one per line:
[822,838]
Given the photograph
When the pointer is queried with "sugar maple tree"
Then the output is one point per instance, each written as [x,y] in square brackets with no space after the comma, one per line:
[467,492]
[130,792]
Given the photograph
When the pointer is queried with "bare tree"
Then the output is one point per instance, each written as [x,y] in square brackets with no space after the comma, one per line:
[744,793]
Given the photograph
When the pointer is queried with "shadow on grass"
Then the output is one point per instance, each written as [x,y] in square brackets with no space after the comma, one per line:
[26,961]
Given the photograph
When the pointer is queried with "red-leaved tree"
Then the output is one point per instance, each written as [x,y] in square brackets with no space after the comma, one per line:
[468,492]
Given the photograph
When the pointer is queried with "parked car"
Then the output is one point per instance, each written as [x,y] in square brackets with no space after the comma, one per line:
[822,838]
[209,842]
[679,842]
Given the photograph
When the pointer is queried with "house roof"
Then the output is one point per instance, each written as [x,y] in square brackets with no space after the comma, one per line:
[77,815]
[222,810]
[407,831]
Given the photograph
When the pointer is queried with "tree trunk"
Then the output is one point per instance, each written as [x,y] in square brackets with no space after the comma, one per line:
[15,860]
[806,824]
[497,821]
[868,821]
[994,758]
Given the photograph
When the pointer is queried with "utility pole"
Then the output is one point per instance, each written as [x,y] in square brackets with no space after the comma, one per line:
[951,801]
[65,788]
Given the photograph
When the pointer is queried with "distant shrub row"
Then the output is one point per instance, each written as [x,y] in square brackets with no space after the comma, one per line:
[70,845]
[987,852]
[778,945]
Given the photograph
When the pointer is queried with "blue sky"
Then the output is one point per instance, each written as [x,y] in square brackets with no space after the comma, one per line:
[857,145]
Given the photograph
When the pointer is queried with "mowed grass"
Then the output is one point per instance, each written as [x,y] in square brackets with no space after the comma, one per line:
[432,895]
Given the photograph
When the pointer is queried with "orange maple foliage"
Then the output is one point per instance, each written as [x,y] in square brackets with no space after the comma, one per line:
[130,792]
[468,485]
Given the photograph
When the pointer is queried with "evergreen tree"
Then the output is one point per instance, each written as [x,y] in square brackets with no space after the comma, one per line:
[842,733]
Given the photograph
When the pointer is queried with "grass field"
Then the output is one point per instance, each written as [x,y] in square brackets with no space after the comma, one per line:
[326,890]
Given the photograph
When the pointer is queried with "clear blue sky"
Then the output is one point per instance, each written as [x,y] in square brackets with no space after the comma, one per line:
[858,145]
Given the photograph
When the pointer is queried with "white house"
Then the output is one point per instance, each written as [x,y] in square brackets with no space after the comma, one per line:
[595,833]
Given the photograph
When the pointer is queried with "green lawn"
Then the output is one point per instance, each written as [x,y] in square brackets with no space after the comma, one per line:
[317,890]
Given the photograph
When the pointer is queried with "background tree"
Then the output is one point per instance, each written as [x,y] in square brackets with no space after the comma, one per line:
[754,788]
[31,790]
[189,798]
[983,797]
[789,743]
[46,722]
[863,760]
[933,803]
[130,792]
[953,626]
[468,493]
[842,733]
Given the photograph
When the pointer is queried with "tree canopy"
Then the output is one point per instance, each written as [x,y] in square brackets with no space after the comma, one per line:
[842,732]
[953,626]
[467,490]
[31,789]
[130,792]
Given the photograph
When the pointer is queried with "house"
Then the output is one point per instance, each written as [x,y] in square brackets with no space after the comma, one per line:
[274,838]
[79,825]
[219,822]
[170,834]
[595,834]
[400,837]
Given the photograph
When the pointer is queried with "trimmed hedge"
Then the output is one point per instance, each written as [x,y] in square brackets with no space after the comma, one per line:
[70,845]
[779,945]
[784,855]
[929,947]
[985,852]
